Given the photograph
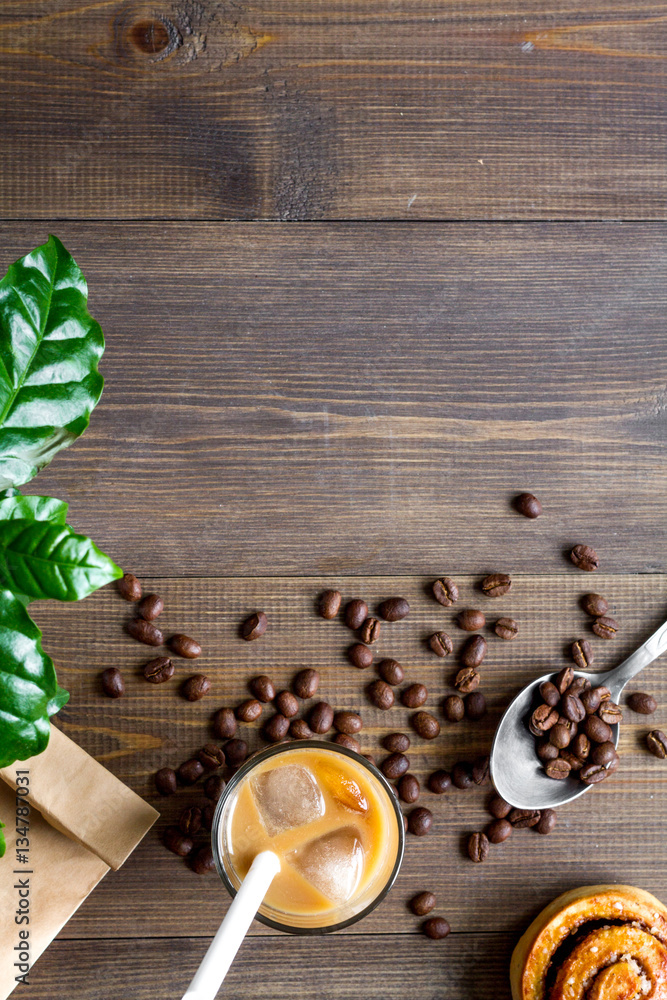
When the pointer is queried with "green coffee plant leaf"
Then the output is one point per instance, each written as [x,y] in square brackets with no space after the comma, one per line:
[29,692]
[41,560]
[37,508]
[3,846]
[50,347]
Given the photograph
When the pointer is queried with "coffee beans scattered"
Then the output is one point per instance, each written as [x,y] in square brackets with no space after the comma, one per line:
[262,688]
[425,725]
[528,505]
[214,786]
[420,821]
[422,903]
[644,704]
[462,775]
[439,782]
[436,928]
[329,603]
[347,722]
[441,643]
[474,651]
[396,742]
[224,723]
[498,830]
[203,862]
[524,818]
[466,680]
[236,752]
[287,704]
[471,620]
[585,558]
[380,694]
[150,607]
[190,771]
[496,585]
[391,671]
[445,592]
[546,822]
[356,613]
[276,728]
[249,710]
[165,781]
[409,788]
[478,847]
[211,757]
[497,806]
[173,840]
[344,740]
[414,696]
[196,687]
[112,682]
[475,706]
[145,632]
[320,717]
[300,730]
[254,626]
[370,631]
[306,683]
[189,822]
[394,766]
[594,605]
[159,670]
[582,653]
[656,743]
[184,646]
[129,587]
[360,656]
[605,627]
[394,609]
[506,628]
[453,708]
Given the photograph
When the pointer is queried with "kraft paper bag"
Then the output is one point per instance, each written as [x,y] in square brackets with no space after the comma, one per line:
[81,822]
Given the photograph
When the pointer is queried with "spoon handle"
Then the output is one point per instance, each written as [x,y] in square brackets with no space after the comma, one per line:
[649,651]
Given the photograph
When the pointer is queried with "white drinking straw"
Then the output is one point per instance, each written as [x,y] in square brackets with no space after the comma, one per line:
[231,932]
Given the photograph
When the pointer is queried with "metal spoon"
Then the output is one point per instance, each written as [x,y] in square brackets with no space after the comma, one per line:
[517,772]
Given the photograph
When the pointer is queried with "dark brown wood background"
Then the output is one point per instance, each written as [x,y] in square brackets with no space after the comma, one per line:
[468,301]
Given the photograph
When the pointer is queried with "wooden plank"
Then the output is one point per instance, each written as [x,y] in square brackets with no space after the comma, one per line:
[154,726]
[463,966]
[368,399]
[308,109]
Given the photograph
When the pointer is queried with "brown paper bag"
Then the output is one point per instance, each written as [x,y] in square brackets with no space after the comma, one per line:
[82,821]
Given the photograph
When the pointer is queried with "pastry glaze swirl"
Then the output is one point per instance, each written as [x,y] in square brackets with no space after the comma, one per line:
[618,948]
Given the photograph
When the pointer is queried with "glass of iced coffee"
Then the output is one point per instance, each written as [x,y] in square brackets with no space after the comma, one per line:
[332,819]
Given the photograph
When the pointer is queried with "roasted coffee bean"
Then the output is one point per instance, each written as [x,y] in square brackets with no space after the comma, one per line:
[453,708]
[441,643]
[480,770]
[409,788]
[360,656]
[462,775]
[422,903]
[276,728]
[435,928]
[498,830]
[224,723]
[478,847]
[189,822]
[528,505]
[207,814]
[396,742]
[582,653]
[563,679]
[129,587]
[471,620]
[184,646]
[656,743]
[173,840]
[236,752]
[394,609]
[558,769]
[145,632]
[610,712]
[395,766]
[584,557]
[380,694]
[262,688]
[254,626]
[320,717]
[546,823]
[578,685]
[572,708]
[644,704]
[496,585]
[475,705]
[343,740]
[524,818]
[348,722]
[594,605]
[300,730]
[214,786]
[112,681]
[150,607]
[574,762]
[591,700]
[445,591]
[369,757]
[370,631]
[165,781]
[581,746]
[603,753]
[549,693]
[249,710]
[506,628]
[546,750]
[425,725]
[287,704]
[306,683]
[439,782]
[597,730]
[466,680]
[497,806]
[159,670]
[414,696]
[391,671]
[605,693]
[592,774]
[605,627]
[420,821]
[356,613]
[190,771]
[474,651]
[543,719]
[203,862]
[570,726]
[329,603]
[211,756]
[196,687]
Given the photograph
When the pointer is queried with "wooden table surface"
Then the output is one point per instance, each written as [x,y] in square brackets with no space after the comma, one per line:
[468,301]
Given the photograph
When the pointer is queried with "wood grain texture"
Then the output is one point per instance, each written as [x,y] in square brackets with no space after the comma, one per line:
[368,399]
[308,109]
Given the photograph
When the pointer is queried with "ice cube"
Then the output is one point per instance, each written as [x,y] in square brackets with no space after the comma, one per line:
[332,863]
[343,789]
[287,797]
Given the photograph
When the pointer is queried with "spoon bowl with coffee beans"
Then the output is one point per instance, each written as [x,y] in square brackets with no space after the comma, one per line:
[559,735]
